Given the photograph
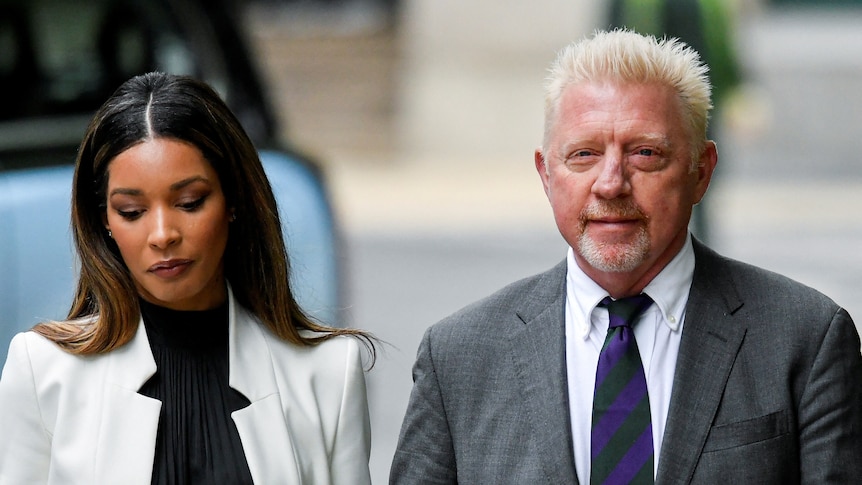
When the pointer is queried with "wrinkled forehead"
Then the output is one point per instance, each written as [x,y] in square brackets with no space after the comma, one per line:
[615,95]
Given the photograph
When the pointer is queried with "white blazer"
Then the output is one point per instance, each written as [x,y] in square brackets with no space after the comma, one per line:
[67,419]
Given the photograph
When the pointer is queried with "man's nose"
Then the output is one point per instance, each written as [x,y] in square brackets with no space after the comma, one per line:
[612,180]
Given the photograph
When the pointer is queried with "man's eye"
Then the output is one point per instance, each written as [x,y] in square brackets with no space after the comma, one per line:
[646,152]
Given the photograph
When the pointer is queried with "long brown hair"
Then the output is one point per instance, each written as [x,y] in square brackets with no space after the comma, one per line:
[105,311]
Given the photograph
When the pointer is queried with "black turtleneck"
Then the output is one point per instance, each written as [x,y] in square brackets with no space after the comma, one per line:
[197,441]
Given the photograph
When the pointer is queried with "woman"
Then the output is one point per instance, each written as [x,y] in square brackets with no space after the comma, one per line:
[184,358]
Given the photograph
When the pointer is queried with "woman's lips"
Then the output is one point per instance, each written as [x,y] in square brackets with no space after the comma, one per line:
[171,268]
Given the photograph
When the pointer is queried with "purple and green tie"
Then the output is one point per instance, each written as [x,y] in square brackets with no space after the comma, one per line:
[621,445]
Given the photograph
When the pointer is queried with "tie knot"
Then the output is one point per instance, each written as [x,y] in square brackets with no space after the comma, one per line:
[624,311]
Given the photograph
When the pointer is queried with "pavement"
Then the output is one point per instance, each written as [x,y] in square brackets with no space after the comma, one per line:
[426,135]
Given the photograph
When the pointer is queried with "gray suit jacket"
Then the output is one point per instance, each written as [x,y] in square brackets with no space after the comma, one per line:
[767,387]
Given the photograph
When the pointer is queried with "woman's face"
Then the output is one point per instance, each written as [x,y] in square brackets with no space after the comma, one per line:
[169,217]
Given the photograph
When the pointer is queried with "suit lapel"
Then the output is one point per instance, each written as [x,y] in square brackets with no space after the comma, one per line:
[262,425]
[538,350]
[125,448]
[126,441]
[710,342]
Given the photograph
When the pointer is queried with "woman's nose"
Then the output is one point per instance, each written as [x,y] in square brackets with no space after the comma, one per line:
[163,231]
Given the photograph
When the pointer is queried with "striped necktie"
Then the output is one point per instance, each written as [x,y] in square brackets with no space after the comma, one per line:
[622,447]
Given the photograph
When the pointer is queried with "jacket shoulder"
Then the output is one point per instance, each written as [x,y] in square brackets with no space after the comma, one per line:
[41,353]
[512,304]
[764,300]
[334,357]
[756,285]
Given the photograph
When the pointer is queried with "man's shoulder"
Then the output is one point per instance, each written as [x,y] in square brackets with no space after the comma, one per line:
[754,282]
[508,305]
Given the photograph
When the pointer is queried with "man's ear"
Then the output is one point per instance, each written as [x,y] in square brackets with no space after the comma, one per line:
[542,168]
[705,168]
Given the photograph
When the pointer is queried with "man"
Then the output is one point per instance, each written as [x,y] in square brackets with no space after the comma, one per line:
[749,376]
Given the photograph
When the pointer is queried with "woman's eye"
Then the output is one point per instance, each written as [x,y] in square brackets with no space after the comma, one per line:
[192,204]
[130,215]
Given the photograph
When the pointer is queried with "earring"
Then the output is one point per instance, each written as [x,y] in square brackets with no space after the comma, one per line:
[110,234]
[232,216]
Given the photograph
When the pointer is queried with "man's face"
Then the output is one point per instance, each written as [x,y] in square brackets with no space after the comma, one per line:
[617,171]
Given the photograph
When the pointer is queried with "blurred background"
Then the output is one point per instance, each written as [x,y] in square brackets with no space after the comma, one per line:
[422,117]
[425,115]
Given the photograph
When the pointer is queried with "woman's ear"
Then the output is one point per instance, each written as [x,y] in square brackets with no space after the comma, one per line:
[105,223]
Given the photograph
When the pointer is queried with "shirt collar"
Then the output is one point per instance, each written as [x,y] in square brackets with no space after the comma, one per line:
[669,290]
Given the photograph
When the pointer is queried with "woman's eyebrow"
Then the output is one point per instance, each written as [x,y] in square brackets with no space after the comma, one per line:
[174,186]
[187,181]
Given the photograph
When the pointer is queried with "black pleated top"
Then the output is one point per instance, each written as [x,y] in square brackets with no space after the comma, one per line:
[197,441]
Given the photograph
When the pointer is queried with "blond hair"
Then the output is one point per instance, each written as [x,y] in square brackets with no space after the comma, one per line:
[626,57]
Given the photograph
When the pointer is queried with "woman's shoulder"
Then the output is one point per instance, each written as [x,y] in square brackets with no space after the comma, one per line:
[332,359]
[322,349]
[36,348]
[320,355]
[321,345]
[47,364]
[40,349]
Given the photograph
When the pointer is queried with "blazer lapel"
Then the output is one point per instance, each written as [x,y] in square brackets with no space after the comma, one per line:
[262,425]
[127,430]
[710,342]
[538,350]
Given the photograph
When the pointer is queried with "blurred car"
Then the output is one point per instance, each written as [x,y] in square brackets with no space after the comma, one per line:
[59,60]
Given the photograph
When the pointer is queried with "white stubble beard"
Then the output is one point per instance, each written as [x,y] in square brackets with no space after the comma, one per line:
[617,257]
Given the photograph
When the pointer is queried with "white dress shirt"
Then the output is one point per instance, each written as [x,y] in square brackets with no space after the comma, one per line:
[657,332]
